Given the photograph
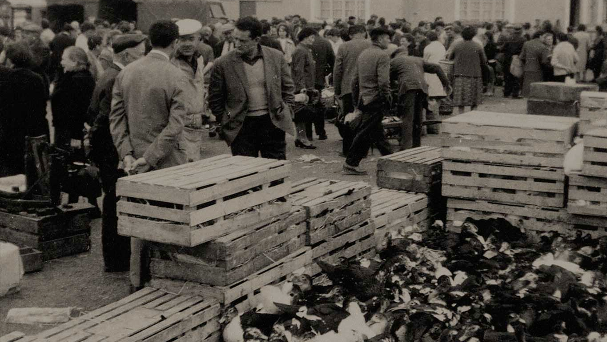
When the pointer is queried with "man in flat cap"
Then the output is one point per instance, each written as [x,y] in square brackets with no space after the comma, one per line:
[116,249]
[188,59]
[148,114]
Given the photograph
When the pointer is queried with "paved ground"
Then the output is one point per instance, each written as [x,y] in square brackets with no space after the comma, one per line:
[79,281]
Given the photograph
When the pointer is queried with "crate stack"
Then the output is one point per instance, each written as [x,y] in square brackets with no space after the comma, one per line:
[587,190]
[338,221]
[150,315]
[418,171]
[222,223]
[593,111]
[557,98]
[507,165]
[56,232]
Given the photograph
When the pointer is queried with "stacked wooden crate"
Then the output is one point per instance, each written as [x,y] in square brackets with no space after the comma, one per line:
[507,165]
[149,315]
[338,219]
[396,211]
[593,111]
[218,223]
[557,98]
[587,190]
[417,170]
[57,232]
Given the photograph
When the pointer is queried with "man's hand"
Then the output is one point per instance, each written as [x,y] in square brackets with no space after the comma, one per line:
[128,162]
[141,166]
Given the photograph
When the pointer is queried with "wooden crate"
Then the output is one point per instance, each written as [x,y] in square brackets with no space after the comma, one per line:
[149,315]
[394,210]
[64,231]
[594,99]
[587,196]
[31,258]
[594,156]
[531,218]
[553,108]
[414,170]
[507,184]
[243,294]
[591,118]
[194,203]
[593,225]
[234,256]
[331,206]
[560,91]
[511,139]
[354,242]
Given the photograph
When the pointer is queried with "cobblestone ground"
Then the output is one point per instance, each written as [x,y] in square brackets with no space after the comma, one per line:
[79,281]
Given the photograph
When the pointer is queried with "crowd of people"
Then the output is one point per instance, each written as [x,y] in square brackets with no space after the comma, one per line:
[144,101]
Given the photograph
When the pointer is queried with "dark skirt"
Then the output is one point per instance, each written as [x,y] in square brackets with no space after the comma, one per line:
[468,91]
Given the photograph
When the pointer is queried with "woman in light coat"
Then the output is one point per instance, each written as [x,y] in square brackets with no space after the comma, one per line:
[287,44]
[433,53]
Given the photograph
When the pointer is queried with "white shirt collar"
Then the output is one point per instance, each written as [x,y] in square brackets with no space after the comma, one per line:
[119,65]
[160,53]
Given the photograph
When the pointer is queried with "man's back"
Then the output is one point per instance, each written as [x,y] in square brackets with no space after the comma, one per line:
[346,61]
[373,70]
[324,57]
[151,90]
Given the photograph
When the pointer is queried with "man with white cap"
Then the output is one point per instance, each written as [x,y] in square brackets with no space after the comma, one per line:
[188,59]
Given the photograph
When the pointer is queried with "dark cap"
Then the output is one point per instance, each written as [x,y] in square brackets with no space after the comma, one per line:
[126,41]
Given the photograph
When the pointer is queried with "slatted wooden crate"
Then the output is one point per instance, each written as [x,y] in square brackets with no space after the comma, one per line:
[593,225]
[234,256]
[560,91]
[414,170]
[355,242]
[149,315]
[506,184]
[394,210]
[511,139]
[194,203]
[594,156]
[31,258]
[526,217]
[587,196]
[244,294]
[61,232]
[331,206]
[593,111]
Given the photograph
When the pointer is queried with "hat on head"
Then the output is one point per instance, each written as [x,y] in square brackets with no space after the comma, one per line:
[517,27]
[227,27]
[509,26]
[31,27]
[126,41]
[188,26]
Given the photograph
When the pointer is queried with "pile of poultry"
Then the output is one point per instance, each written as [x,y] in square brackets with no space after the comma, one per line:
[490,282]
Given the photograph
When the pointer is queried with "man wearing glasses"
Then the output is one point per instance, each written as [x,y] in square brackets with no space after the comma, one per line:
[251,94]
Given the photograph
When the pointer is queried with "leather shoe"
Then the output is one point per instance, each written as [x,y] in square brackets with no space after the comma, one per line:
[353,170]
[323,137]
[304,146]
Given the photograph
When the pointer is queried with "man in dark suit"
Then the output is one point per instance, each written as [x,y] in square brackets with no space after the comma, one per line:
[512,47]
[324,57]
[408,73]
[266,40]
[116,249]
[344,68]
[147,116]
[251,94]
[63,40]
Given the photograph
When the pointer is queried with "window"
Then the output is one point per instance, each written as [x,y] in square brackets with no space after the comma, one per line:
[481,10]
[341,9]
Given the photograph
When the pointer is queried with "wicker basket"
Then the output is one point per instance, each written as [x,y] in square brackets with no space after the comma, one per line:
[328,97]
